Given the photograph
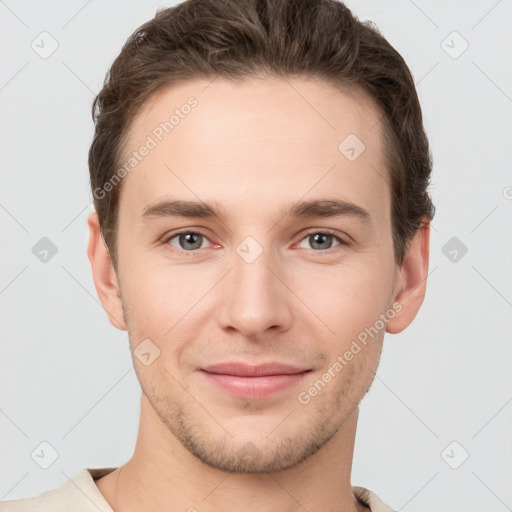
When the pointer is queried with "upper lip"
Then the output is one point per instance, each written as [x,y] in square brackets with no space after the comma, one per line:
[246,370]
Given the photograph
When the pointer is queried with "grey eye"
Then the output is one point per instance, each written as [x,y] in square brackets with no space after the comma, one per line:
[321,241]
[188,241]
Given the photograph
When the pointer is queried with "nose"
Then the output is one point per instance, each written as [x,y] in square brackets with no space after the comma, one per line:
[255,298]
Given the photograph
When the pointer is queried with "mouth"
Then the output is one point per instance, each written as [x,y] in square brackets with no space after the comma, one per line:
[254,382]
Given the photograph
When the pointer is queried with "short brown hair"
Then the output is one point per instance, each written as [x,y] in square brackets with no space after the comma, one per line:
[237,39]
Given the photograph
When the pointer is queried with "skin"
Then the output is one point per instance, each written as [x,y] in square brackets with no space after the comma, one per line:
[254,147]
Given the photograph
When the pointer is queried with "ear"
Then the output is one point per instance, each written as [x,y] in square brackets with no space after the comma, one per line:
[411,281]
[104,275]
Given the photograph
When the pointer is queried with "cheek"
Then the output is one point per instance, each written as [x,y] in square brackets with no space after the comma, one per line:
[153,301]
[348,298]
[165,306]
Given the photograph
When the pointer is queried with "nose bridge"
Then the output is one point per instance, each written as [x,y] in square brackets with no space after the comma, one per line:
[253,295]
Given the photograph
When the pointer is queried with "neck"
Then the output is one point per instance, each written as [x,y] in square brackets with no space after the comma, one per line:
[163,475]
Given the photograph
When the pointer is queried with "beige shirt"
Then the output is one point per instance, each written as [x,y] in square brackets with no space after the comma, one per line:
[80,494]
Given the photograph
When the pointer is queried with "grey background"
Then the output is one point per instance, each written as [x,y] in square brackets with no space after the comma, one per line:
[66,374]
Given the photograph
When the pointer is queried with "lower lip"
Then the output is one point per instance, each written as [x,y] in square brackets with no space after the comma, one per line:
[254,387]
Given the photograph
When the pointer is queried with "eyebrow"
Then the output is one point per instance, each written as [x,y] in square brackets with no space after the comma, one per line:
[321,208]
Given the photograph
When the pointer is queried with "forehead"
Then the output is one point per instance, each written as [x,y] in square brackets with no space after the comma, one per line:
[258,107]
[246,141]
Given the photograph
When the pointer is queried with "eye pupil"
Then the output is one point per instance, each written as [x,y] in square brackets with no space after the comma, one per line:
[190,241]
[189,238]
[319,239]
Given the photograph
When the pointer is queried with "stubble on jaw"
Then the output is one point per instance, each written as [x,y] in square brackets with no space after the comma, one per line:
[220,452]
[329,412]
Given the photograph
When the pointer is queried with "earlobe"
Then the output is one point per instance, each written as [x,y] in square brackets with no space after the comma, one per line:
[104,275]
[412,280]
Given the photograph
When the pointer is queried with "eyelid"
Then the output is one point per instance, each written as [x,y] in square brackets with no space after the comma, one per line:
[343,240]
[168,237]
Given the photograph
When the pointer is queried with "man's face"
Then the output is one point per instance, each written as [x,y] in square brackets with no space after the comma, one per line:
[257,285]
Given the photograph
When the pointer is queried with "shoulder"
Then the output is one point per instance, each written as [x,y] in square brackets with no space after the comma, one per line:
[78,494]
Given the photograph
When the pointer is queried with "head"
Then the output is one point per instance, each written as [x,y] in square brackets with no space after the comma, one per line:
[304,151]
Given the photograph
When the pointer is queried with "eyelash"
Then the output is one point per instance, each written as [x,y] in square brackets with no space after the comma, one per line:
[334,234]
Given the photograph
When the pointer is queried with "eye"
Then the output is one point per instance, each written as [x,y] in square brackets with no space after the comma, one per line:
[188,241]
[322,240]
